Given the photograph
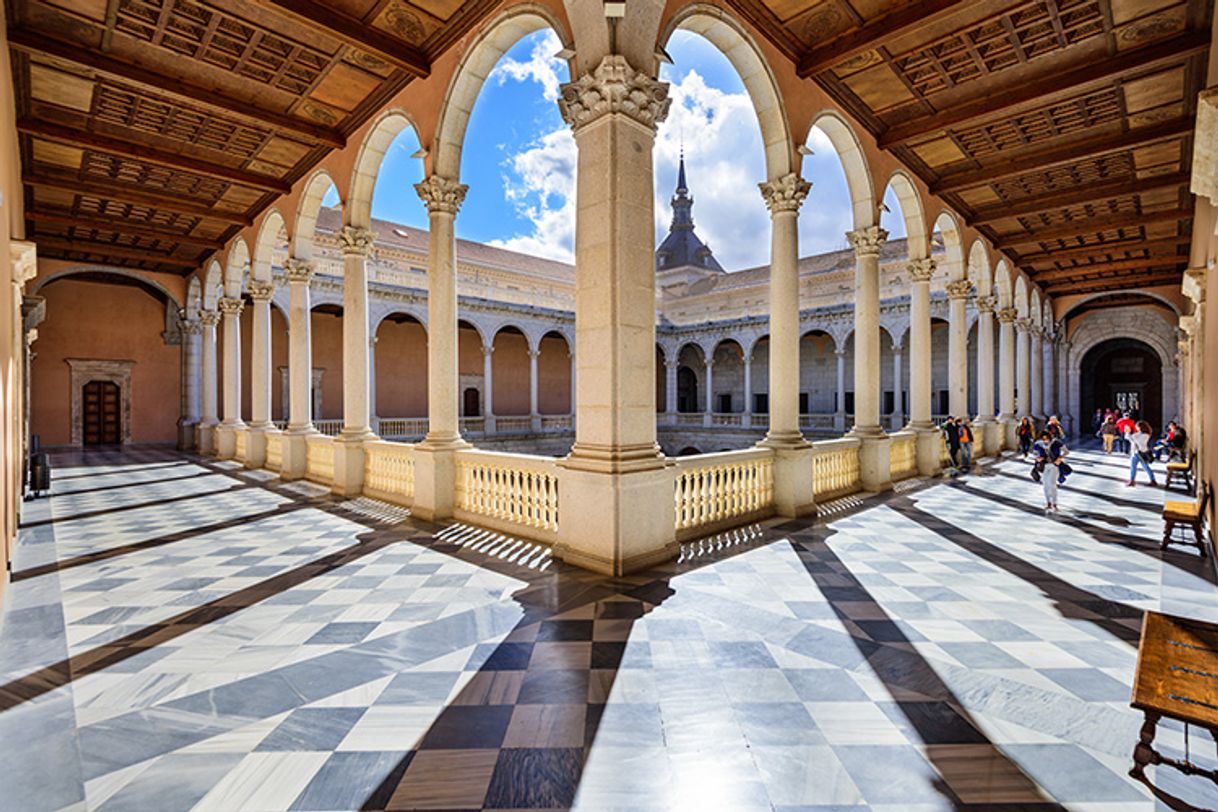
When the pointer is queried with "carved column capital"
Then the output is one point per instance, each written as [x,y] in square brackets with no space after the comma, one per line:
[231,305]
[441,194]
[867,241]
[986,304]
[1008,315]
[191,327]
[786,193]
[614,88]
[959,289]
[209,318]
[299,271]
[1023,325]
[261,291]
[1193,284]
[920,270]
[356,241]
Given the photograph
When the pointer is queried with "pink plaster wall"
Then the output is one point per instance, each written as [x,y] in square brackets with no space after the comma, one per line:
[401,369]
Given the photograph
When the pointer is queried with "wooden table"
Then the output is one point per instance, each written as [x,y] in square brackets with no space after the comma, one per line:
[1176,677]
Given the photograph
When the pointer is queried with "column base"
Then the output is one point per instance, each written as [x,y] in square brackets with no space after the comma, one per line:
[989,432]
[839,422]
[205,438]
[226,440]
[615,523]
[875,459]
[187,435]
[794,474]
[295,455]
[928,448]
[615,459]
[435,478]
[349,463]
[1008,424]
[255,444]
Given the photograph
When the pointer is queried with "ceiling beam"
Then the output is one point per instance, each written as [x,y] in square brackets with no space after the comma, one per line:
[210,98]
[120,227]
[1063,155]
[1088,251]
[1043,88]
[1092,225]
[1156,261]
[906,17]
[121,193]
[1123,282]
[1077,196]
[107,250]
[127,149]
[354,32]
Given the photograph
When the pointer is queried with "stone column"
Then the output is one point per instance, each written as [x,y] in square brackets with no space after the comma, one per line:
[920,272]
[534,411]
[373,418]
[874,461]
[1006,375]
[226,433]
[988,429]
[1049,388]
[1023,372]
[299,273]
[1036,372]
[206,440]
[839,416]
[356,244]
[709,408]
[488,388]
[748,390]
[260,374]
[897,418]
[670,388]
[192,375]
[957,346]
[615,487]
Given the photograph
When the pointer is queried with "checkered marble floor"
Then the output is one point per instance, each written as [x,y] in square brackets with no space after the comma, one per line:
[185,635]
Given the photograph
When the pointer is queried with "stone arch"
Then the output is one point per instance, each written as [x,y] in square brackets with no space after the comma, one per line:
[1034,306]
[368,164]
[953,245]
[170,297]
[854,163]
[554,374]
[752,345]
[476,65]
[478,329]
[194,296]
[389,309]
[212,280]
[236,267]
[917,244]
[723,31]
[265,244]
[979,268]
[531,337]
[1157,298]
[1002,284]
[302,235]
[1020,301]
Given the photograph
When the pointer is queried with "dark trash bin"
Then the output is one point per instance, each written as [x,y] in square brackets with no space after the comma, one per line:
[40,473]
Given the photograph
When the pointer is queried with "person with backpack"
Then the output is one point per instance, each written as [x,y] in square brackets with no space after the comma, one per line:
[1024,432]
[1139,453]
[1108,433]
[1125,427]
[964,433]
[1049,467]
[951,436]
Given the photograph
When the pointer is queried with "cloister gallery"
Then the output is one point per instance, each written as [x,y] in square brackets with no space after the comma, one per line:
[307,508]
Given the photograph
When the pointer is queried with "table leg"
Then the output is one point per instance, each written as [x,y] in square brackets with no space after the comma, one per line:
[1143,753]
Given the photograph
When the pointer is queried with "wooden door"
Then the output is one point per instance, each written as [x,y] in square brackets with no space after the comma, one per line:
[101,413]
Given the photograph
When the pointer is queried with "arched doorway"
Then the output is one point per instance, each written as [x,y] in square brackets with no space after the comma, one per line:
[687,391]
[1126,374]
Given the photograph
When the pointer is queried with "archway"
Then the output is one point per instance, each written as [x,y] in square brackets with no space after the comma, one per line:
[1126,374]
[400,366]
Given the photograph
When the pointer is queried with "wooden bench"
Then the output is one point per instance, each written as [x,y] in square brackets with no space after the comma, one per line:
[1177,678]
[1191,515]
[1182,471]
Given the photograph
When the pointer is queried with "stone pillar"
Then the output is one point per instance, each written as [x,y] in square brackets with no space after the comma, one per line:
[1006,375]
[1023,372]
[670,387]
[192,378]
[1049,388]
[1036,372]
[874,461]
[615,488]
[206,440]
[920,272]
[260,374]
[957,347]
[488,388]
[226,433]
[299,273]
[435,457]
[988,429]
[373,418]
[897,418]
[710,390]
[748,389]
[534,411]
[356,244]
[839,416]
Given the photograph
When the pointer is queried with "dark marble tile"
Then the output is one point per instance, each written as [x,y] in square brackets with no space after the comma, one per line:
[932,723]
[418,688]
[1090,684]
[312,729]
[353,781]
[535,778]
[567,631]
[1070,774]
[824,685]
[558,686]
[981,655]
[500,657]
[468,727]
[341,633]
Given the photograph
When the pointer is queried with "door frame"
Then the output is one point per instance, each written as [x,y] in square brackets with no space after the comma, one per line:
[84,370]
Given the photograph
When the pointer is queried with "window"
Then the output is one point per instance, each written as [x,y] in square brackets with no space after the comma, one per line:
[803,402]
[761,403]
[724,403]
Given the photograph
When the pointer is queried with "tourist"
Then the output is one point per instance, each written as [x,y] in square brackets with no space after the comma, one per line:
[1108,432]
[1125,427]
[1055,428]
[1139,453]
[1024,432]
[951,436]
[1048,453]
[964,431]
[1173,443]
[1097,420]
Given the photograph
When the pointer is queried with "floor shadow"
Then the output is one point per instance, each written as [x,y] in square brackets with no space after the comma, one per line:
[925,704]
[170,500]
[157,481]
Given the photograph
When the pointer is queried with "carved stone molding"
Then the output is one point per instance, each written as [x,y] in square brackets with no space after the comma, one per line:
[356,241]
[867,241]
[1205,146]
[192,327]
[84,370]
[1023,325]
[1193,285]
[920,270]
[261,291]
[959,289]
[986,304]
[231,306]
[1008,315]
[299,271]
[209,318]
[441,194]
[24,259]
[614,87]
[785,194]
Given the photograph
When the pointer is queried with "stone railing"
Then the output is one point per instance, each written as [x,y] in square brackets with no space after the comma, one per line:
[389,471]
[688,419]
[903,455]
[330,428]
[557,422]
[727,419]
[514,493]
[241,435]
[473,425]
[716,491]
[835,470]
[816,422]
[274,450]
[513,424]
[319,463]
[759,420]
[282,425]
[401,426]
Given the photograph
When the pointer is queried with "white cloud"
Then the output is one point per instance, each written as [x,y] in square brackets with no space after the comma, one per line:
[540,185]
[541,66]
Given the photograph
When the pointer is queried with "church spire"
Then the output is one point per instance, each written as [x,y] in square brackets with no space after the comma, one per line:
[681,187]
[682,203]
[682,248]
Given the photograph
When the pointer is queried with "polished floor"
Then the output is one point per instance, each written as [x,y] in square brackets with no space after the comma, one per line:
[185,635]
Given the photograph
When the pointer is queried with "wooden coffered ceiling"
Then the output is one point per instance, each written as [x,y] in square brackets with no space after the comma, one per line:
[1062,129]
[153,130]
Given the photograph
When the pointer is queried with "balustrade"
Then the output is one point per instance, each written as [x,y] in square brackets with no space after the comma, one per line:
[713,491]
[835,468]
[474,425]
[330,428]
[389,471]
[516,493]
[402,426]
[513,424]
[557,422]
[903,455]
[319,463]
[727,419]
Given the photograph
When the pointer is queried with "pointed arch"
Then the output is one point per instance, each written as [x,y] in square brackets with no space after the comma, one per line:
[917,244]
[271,234]
[372,151]
[302,234]
[854,163]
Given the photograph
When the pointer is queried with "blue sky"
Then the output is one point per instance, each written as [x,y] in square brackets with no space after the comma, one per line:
[519,162]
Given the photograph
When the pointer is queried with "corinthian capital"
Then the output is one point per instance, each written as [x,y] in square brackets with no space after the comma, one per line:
[1007,315]
[986,304]
[209,318]
[441,194]
[959,289]
[920,270]
[1193,285]
[614,87]
[299,270]
[356,241]
[231,305]
[785,194]
[867,241]
[261,291]
[1023,325]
